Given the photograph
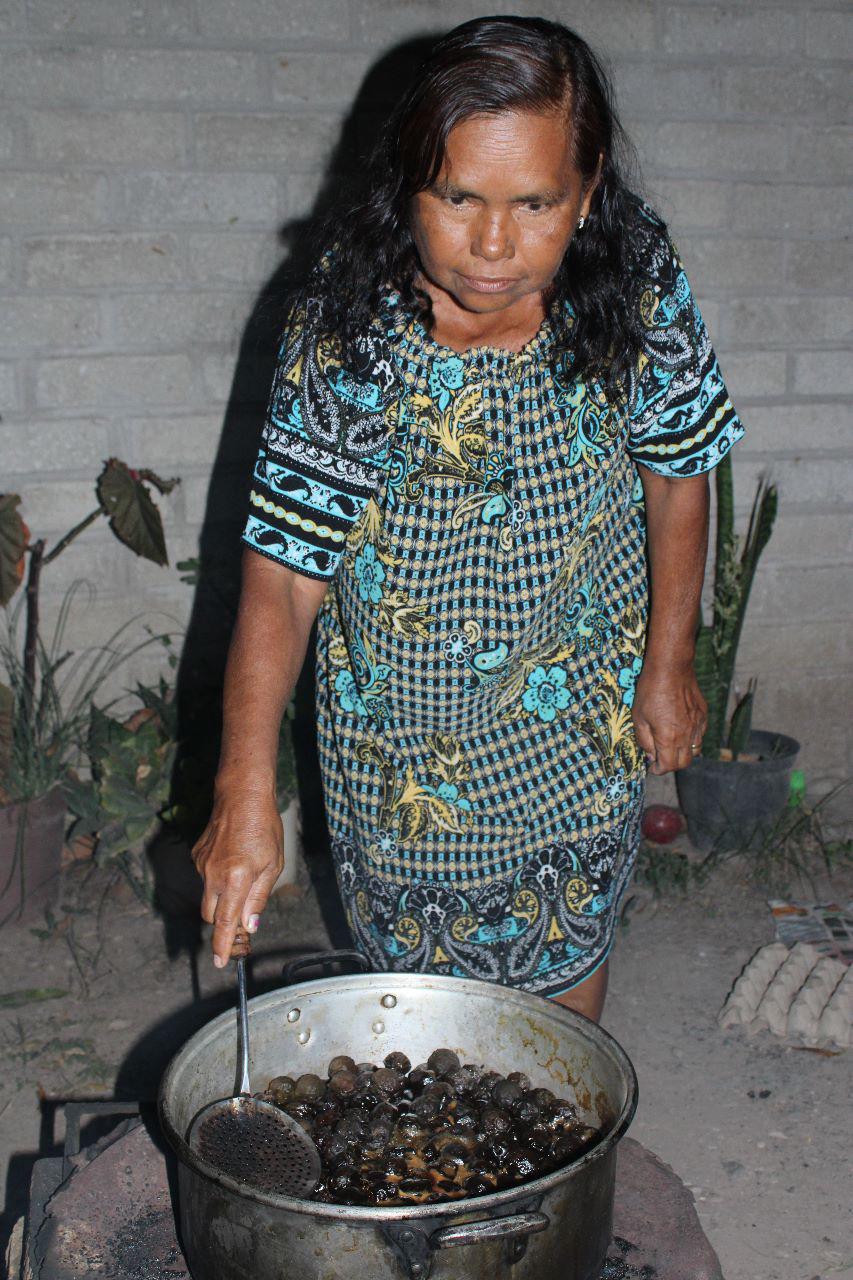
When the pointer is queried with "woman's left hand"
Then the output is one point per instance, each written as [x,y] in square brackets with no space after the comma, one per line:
[670,715]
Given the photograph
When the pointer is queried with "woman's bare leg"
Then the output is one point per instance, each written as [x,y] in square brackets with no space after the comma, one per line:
[588,996]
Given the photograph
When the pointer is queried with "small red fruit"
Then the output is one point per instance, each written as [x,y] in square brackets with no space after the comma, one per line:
[662,823]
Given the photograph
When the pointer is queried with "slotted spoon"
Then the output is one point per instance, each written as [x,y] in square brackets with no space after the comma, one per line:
[248,1139]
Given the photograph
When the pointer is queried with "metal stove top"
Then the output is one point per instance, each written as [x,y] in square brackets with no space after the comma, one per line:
[106,1212]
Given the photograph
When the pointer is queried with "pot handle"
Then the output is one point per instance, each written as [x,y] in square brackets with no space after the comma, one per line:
[325,961]
[516,1224]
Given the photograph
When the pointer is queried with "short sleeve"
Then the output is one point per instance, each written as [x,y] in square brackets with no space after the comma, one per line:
[681,419]
[324,446]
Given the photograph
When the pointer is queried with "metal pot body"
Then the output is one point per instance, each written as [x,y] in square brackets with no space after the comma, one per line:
[556,1228]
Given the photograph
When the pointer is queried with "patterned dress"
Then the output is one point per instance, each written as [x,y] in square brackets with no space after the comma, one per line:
[480,519]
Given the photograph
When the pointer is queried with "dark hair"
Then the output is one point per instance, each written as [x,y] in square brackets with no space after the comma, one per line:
[488,66]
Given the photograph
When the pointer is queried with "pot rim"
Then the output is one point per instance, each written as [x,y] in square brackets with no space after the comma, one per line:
[788,749]
[499,1200]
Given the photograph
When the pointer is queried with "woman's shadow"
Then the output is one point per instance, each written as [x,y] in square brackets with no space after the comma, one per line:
[217,575]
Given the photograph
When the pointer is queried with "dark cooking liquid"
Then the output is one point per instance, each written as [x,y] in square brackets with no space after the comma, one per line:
[396,1135]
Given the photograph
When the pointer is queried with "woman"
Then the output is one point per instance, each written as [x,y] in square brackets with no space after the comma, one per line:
[488,434]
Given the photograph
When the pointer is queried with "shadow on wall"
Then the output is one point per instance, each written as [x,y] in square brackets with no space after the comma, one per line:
[202,664]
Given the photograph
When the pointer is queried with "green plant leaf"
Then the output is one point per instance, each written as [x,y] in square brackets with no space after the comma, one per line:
[104,733]
[14,536]
[133,516]
[708,678]
[190,570]
[741,723]
[30,995]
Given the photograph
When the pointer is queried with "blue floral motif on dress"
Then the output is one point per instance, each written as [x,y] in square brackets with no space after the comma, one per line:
[450,792]
[348,694]
[546,692]
[484,662]
[628,680]
[370,574]
[445,376]
[585,620]
[361,688]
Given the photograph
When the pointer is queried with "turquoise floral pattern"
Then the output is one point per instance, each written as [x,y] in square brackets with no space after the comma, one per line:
[361,682]
[464,649]
[462,452]
[412,805]
[450,792]
[445,376]
[370,574]
[627,678]
[586,621]
[546,692]
[348,695]
[592,427]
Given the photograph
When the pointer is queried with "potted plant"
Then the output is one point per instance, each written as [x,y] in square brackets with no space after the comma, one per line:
[46,696]
[127,795]
[733,793]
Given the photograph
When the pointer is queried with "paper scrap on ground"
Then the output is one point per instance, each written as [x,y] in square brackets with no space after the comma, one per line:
[827,926]
[801,996]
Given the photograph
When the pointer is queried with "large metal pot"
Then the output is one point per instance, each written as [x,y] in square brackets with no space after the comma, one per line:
[555,1228]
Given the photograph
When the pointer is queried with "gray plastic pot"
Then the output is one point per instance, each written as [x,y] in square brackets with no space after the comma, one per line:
[734,804]
[31,839]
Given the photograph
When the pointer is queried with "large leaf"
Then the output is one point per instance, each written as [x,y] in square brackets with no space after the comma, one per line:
[133,516]
[14,536]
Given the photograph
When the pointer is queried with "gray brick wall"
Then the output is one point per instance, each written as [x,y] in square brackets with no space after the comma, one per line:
[149,152]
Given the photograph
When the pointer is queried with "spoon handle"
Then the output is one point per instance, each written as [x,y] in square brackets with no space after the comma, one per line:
[242,1028]
[241,950]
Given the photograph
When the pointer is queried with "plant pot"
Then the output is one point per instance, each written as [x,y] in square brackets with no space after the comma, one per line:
[31,838]
[734,804]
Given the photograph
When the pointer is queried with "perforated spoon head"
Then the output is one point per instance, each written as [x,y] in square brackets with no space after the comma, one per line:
[252,1141]
[255,1143]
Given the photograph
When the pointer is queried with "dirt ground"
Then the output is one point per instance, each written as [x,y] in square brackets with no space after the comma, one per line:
[759,1132]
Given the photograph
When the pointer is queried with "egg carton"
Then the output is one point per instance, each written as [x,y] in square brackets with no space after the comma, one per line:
[799,995]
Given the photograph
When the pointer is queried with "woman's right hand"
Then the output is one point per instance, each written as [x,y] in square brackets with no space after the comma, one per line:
[240,855]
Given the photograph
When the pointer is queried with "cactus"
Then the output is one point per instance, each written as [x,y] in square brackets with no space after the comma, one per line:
[716,643]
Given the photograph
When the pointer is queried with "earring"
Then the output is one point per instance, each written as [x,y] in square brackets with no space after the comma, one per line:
[581,221]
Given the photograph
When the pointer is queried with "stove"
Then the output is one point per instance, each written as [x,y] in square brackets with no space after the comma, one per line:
[105,1212]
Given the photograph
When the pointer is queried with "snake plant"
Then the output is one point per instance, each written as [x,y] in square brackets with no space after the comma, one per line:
[736,560]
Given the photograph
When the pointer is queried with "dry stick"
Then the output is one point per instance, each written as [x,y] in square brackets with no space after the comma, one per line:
[72,533]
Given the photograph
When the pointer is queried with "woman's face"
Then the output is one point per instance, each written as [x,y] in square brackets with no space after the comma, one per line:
[495,226]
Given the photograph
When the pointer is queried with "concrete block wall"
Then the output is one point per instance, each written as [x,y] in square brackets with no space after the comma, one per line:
[150,150]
